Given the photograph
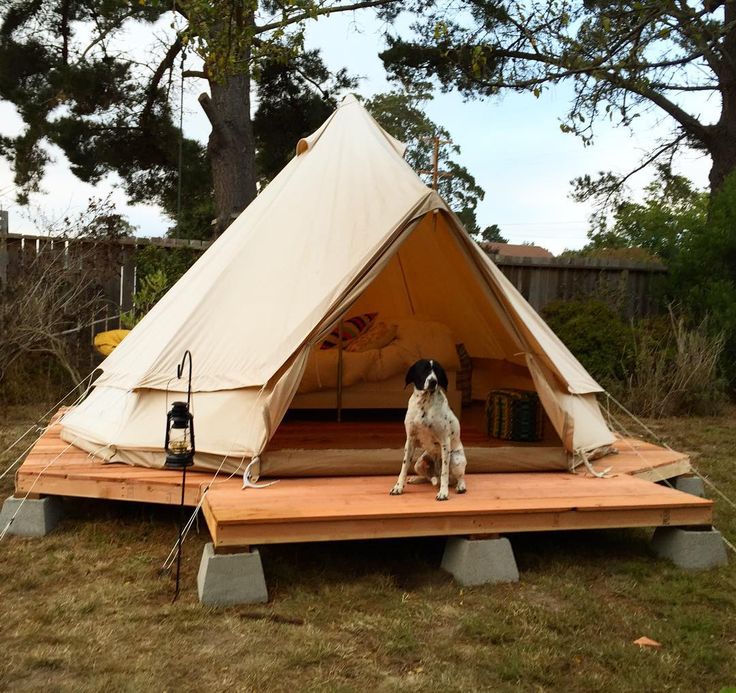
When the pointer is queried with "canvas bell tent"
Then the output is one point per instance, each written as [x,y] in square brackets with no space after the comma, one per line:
[346,230]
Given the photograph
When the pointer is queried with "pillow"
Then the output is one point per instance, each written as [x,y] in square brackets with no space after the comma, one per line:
[351,328]
[377,336]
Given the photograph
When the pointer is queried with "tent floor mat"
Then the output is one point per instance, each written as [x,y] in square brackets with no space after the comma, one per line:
[333,508]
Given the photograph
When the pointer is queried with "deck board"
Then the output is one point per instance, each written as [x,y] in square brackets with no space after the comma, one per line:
[317,509]
[361,508]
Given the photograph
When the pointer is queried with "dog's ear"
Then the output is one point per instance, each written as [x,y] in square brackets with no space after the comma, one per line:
[411,375]
[441,376]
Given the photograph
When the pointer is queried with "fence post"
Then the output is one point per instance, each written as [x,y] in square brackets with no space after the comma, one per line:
[4,229]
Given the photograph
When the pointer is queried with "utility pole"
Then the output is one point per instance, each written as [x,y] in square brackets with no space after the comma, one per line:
[435,172]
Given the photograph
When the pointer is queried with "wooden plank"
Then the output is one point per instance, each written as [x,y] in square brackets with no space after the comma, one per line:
[337,508]
[130,489]
[348,528]
[367,497]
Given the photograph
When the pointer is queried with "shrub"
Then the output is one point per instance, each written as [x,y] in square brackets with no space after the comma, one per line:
[152,287]
[595,333]
[657,367]
[158,270]
[674,369]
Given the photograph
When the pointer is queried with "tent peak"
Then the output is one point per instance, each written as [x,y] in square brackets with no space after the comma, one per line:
[360,122]
[348,100]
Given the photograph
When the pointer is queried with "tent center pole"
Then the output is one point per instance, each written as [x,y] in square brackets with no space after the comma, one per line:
[339,372]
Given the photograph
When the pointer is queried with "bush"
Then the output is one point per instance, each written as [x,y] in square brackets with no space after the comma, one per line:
[158,270]
[674,369]
[658,367]
[703,274]
[34,378]
[595,333]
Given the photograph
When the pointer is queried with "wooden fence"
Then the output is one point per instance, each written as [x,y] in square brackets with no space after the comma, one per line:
[119,258]
[633,287]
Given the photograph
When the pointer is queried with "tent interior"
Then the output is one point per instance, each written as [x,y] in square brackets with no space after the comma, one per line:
[430,302]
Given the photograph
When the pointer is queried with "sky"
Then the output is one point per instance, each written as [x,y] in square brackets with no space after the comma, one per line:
[512,145]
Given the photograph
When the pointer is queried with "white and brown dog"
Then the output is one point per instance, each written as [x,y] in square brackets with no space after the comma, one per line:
[432,427]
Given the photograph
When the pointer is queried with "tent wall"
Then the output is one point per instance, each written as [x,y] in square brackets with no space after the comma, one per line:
[378,461]
[230,426]
[347,225]
[429,277]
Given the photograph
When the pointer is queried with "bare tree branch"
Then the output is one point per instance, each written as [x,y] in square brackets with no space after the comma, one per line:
[330,9]
[166,64]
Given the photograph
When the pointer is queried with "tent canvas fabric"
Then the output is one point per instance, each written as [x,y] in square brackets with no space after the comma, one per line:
[347,225]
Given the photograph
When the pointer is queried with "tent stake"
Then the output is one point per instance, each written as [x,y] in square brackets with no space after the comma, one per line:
[181,531]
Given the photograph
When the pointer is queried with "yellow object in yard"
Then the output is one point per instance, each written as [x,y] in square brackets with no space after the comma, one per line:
[105,342]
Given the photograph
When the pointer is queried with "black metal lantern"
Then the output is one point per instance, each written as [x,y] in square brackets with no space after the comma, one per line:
[179,444]
[179,437]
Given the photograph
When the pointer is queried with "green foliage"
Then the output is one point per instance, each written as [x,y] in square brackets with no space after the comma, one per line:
[402,115]
[595,333]
[703,275]
[639,255]
[158,269]
[160,185]
[673,369]
[695,233]
[657,366]
[72,91]
[151,288]
[492,234]
[671,210]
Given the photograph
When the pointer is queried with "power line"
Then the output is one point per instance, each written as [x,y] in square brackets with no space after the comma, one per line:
[538,223]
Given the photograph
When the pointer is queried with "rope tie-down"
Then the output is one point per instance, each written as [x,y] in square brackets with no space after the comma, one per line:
[248,475]
[664,444]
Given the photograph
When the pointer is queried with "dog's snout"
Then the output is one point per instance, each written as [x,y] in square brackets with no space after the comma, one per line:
[431,383]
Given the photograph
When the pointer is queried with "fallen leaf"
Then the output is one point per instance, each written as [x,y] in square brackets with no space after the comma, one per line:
[644,641]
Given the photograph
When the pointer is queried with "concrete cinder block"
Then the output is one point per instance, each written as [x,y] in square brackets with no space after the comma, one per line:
[690,484]
[480,561]
[692,549]
[232,578]
[33,517]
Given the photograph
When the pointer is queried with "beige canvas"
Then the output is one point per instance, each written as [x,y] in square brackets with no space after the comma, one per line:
[346,226]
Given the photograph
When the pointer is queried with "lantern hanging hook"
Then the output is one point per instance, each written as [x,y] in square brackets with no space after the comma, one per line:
[180,369]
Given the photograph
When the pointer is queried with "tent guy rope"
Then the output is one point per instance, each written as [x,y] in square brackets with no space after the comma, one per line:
[659,439]
[30,490]
[53,409]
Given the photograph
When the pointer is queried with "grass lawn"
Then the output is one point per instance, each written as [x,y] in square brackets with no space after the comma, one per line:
[86,608]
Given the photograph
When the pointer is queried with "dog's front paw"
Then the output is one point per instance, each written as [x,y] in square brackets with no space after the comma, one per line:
[397,490]
[442,495]
[460,487]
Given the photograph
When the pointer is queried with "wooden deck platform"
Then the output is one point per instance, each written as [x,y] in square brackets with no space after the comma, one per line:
[296,510]
[317,509]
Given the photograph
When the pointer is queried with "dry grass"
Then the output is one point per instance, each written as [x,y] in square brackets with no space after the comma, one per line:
[85,609]
[676,371]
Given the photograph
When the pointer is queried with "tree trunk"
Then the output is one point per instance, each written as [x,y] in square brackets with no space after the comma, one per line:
[722,142]
[231,147]
[723,154]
